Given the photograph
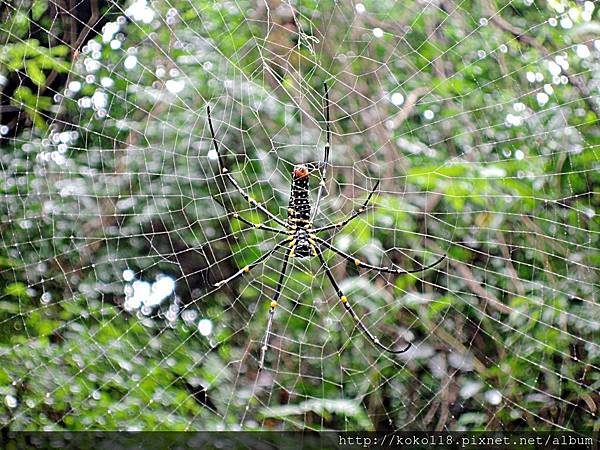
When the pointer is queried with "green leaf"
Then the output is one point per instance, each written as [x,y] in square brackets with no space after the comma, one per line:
[16,289]
[60,50]
[10,307]
[38,8]
[35,73]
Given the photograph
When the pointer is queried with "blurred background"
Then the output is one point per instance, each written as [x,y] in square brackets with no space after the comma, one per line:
[480,119]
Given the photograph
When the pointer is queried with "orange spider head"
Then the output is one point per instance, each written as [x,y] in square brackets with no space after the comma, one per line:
[300,171]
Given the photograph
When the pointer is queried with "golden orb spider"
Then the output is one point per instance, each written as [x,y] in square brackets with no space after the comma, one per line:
[302,240]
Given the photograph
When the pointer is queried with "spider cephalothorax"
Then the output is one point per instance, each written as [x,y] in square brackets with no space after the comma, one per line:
[302,238]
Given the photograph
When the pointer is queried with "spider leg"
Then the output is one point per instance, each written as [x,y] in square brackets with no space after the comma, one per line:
[225,172]
[352,216]
[273,306]
[253,264]
[346,304]
[258,226]
[325,156]
[360,263]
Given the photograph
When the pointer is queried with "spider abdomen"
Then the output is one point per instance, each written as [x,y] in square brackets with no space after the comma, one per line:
[299,208]
[299,213]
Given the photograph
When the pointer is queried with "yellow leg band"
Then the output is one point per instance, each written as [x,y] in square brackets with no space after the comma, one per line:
[274,304]
[344,299]
[357,262]
[246,269]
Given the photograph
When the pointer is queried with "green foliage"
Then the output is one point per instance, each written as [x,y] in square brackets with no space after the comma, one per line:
[34,61]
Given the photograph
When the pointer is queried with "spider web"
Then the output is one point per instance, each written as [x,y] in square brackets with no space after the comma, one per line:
[478,118]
